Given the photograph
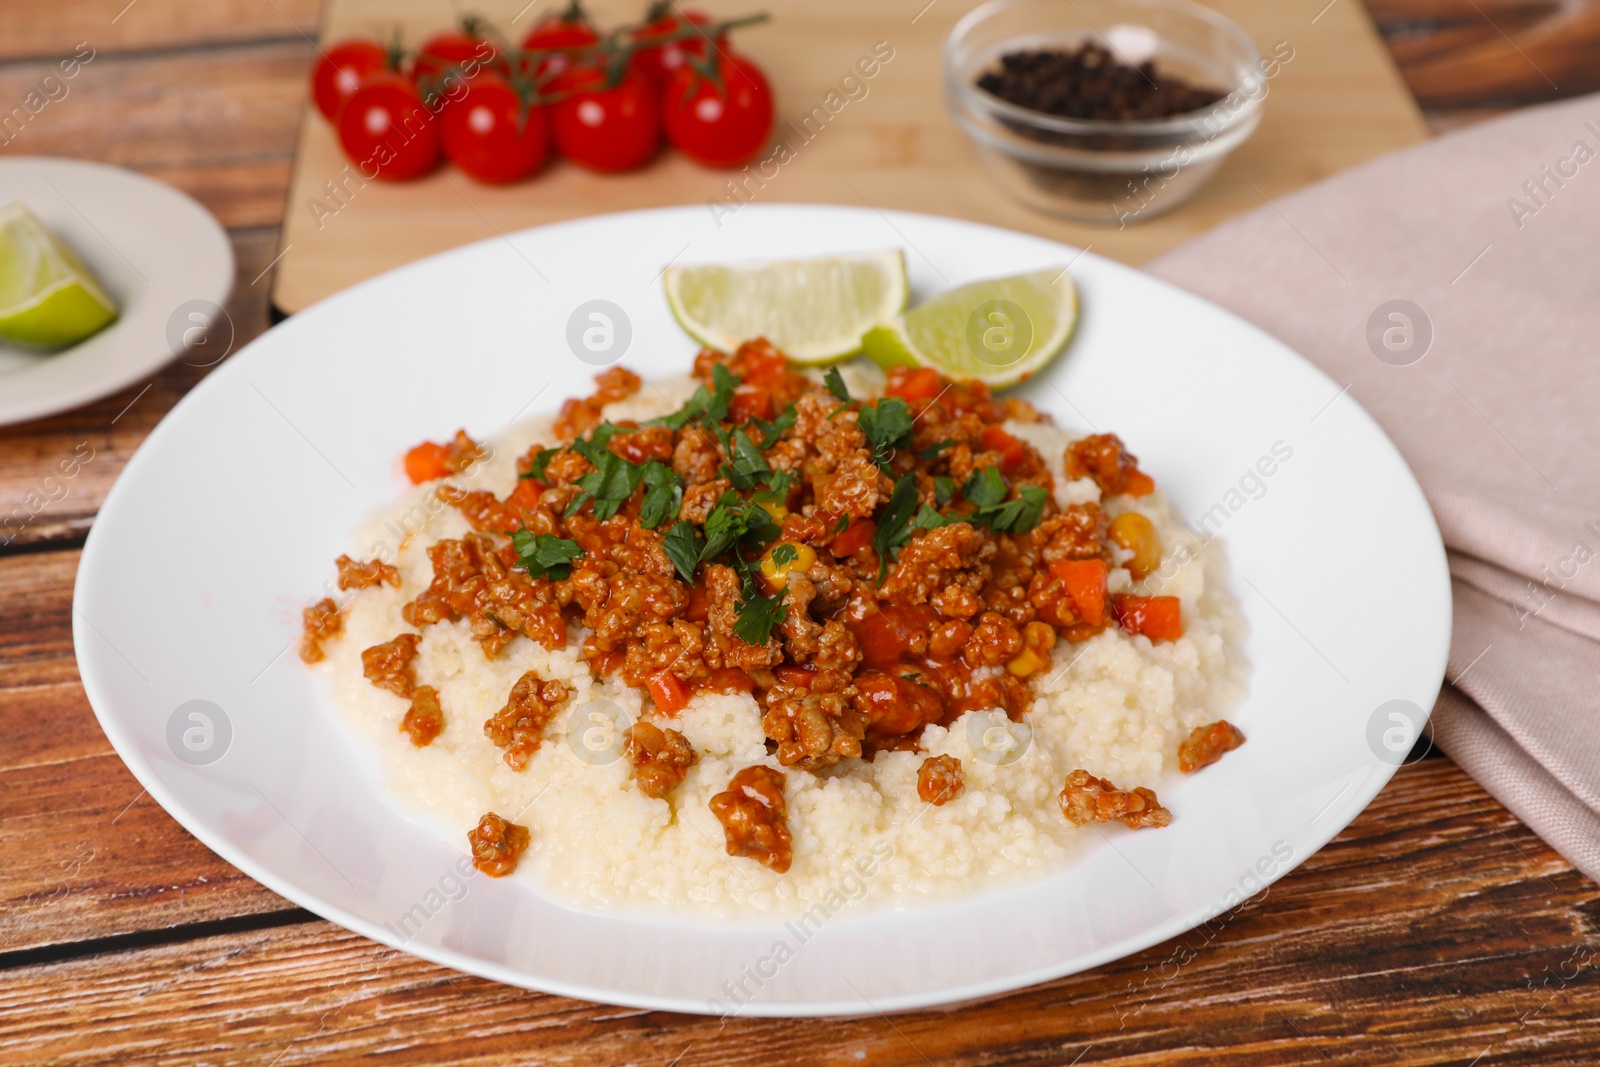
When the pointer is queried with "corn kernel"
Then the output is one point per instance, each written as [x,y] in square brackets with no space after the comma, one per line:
[1025,663]
[777,511]
[775,575]
[1133,531]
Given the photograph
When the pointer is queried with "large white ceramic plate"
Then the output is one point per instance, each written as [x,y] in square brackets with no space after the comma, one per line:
[160,255]
[227,520]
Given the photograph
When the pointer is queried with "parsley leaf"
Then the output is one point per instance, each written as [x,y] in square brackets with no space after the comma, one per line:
[984,488]
[541,463]
[928,519]
[748,464]
[833,381]
[704,405]
[682,545]
[932,451]
[784,554]
[894,527]
[887,424]
[609,485]
[735,521]
[757,615]
[987,490]
[943,490]
[772,431]
[545,555]
[843,524]
[594,448]
[777,490]
[663,495]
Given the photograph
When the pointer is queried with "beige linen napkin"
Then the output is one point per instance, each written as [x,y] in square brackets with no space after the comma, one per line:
[1488,379]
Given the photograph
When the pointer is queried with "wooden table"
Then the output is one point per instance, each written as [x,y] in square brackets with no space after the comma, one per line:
[1435,929]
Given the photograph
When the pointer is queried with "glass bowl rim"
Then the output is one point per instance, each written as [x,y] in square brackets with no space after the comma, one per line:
[1188,123]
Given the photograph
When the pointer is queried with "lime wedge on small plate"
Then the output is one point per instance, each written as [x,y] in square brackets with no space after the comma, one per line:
[48,298]
[999,331]
[814,310]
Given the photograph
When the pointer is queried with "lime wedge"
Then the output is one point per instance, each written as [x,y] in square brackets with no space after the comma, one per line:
[998,331]
[48,298]
[814,310]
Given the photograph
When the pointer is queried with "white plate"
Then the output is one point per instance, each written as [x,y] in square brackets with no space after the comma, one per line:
[226,522]
[160,255]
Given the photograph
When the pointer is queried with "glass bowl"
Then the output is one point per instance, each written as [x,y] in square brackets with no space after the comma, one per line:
[1110,171]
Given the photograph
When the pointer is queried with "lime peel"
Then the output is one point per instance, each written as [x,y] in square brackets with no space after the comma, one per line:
[814,310]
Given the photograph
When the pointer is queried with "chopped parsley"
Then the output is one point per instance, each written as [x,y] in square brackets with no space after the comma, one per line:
[777,490]
[894,525]
[932,451]
[736,521]
[757,615]
[735,525]
[683,545]
[771,431]
[833,381]
[843,524]
[541,463]
[987,491]
[748,465]
[609,485]
[943,490]
[929,519]
[663,494]
[545,555]
[784,554]
[704,405]
[887,425]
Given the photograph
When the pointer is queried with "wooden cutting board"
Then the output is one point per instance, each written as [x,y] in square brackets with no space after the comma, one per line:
[1337,102]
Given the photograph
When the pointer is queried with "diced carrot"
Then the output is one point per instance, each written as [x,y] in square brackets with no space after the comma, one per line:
[792,675]
[856,536]
[1159,618]
[1012,451]
[669,692]
[427,462]
[526,495]
[1085,580]
[750,404]
[920,383]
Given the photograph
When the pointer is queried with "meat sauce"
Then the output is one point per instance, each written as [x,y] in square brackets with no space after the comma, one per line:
[863,567]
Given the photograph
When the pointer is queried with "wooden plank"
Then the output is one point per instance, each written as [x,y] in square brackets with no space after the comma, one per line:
[1338,102]
[1458,54]
[1434,930]
[88,854]
[223,105]
[52,30]
[38,504]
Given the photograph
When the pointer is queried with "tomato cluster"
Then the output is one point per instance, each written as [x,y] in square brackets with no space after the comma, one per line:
[497,111]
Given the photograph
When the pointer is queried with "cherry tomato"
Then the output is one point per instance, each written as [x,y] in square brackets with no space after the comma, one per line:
[387,130]
[570,31]
[720,126]
[443,51]
[605,129]
[660,62]
[340,70]
[488,133]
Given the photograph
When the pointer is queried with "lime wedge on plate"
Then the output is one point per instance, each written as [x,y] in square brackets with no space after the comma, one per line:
[998,331]
[48,298]
[814,310]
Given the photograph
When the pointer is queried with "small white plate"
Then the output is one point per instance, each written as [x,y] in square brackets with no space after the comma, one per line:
[165,261]
[227,520]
